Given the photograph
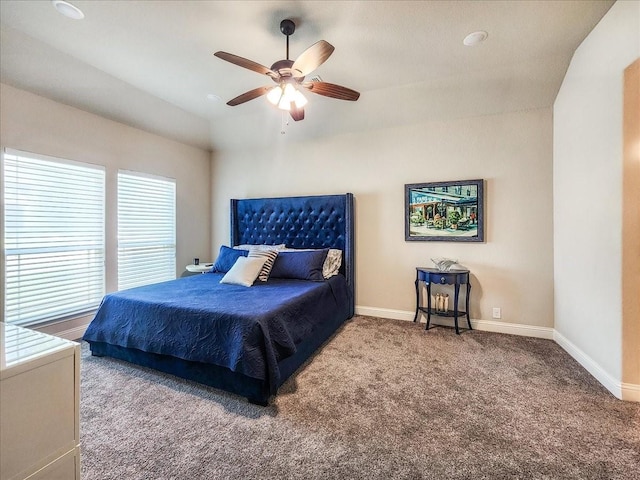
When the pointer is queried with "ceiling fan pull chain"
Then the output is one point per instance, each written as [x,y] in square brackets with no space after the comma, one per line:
[284,123]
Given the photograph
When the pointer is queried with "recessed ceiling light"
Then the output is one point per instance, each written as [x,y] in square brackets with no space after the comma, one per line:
[68,10]
[475,38]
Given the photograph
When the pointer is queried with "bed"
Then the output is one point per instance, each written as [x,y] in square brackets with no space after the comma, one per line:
[247,341]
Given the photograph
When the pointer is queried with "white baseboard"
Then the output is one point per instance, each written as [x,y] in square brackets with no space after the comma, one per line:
[384,313]
[513,329]
[483,325]
[608,381]
[630,392]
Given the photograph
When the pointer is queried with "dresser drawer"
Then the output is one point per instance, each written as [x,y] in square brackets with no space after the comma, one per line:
[66,467]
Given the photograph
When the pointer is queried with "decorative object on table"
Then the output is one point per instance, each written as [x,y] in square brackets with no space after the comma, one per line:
[196,261]
[199,268]
[440,301]
[444,264]
[444,211]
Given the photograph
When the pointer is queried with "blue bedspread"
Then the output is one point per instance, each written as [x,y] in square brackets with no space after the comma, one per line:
[248,330]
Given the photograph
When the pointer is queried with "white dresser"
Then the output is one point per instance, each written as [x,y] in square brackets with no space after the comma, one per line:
[39,406]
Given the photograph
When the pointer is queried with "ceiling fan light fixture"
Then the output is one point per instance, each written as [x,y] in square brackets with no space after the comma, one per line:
[274,95]
[284,95]
[67,9]
[299,99]
[284,105]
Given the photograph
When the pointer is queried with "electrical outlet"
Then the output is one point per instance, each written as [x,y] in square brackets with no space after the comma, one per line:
[497,312]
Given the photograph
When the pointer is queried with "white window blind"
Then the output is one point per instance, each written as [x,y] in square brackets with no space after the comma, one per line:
[146,230]
[53,237]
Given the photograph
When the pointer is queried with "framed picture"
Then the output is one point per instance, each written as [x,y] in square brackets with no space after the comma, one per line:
[444,211]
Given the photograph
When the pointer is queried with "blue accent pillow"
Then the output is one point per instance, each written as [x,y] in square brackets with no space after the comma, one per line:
[304,265]
[227,258]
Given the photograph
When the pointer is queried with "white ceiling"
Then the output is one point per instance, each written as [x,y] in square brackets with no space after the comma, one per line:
[150,64]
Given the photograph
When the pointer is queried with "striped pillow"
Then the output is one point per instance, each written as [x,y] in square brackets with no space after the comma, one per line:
[269,256]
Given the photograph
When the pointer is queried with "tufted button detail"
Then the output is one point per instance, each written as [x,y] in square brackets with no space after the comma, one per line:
[297,222]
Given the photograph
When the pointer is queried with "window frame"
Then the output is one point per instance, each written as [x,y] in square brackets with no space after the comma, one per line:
[98,267]
[171,267]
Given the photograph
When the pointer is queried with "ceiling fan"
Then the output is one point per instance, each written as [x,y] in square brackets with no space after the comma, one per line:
[290,76]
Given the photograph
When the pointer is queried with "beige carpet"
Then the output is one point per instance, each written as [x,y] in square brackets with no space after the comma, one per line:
[383,399]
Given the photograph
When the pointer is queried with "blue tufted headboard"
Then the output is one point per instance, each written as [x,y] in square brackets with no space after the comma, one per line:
[322,221]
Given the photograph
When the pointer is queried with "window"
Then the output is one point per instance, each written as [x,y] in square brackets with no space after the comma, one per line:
[53,237]
[146,230]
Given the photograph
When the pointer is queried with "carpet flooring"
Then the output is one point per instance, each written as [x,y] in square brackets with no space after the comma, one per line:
[383,399]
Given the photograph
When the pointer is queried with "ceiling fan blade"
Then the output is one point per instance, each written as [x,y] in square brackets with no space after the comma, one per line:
[312,58]
[250,95]
[332,90]
[245,63]
[296,113]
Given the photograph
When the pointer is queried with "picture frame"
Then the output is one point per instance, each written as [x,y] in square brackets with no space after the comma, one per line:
[444,211]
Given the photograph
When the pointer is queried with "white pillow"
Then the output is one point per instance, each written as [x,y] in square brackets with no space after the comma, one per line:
[244,271]
[331,264]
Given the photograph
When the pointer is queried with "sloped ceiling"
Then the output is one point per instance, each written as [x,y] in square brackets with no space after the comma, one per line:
[150,64]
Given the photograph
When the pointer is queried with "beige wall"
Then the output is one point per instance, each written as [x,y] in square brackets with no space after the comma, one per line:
[513,269]
[588,197]
[32,123]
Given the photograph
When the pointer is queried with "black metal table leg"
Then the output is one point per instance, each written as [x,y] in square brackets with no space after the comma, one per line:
[455,307]
[428,305]
[417,300]
[467,306]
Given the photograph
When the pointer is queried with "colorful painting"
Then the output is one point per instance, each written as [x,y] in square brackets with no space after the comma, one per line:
[445,211]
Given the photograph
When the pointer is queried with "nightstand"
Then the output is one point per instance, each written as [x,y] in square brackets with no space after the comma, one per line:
[200,268]
[434,276]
